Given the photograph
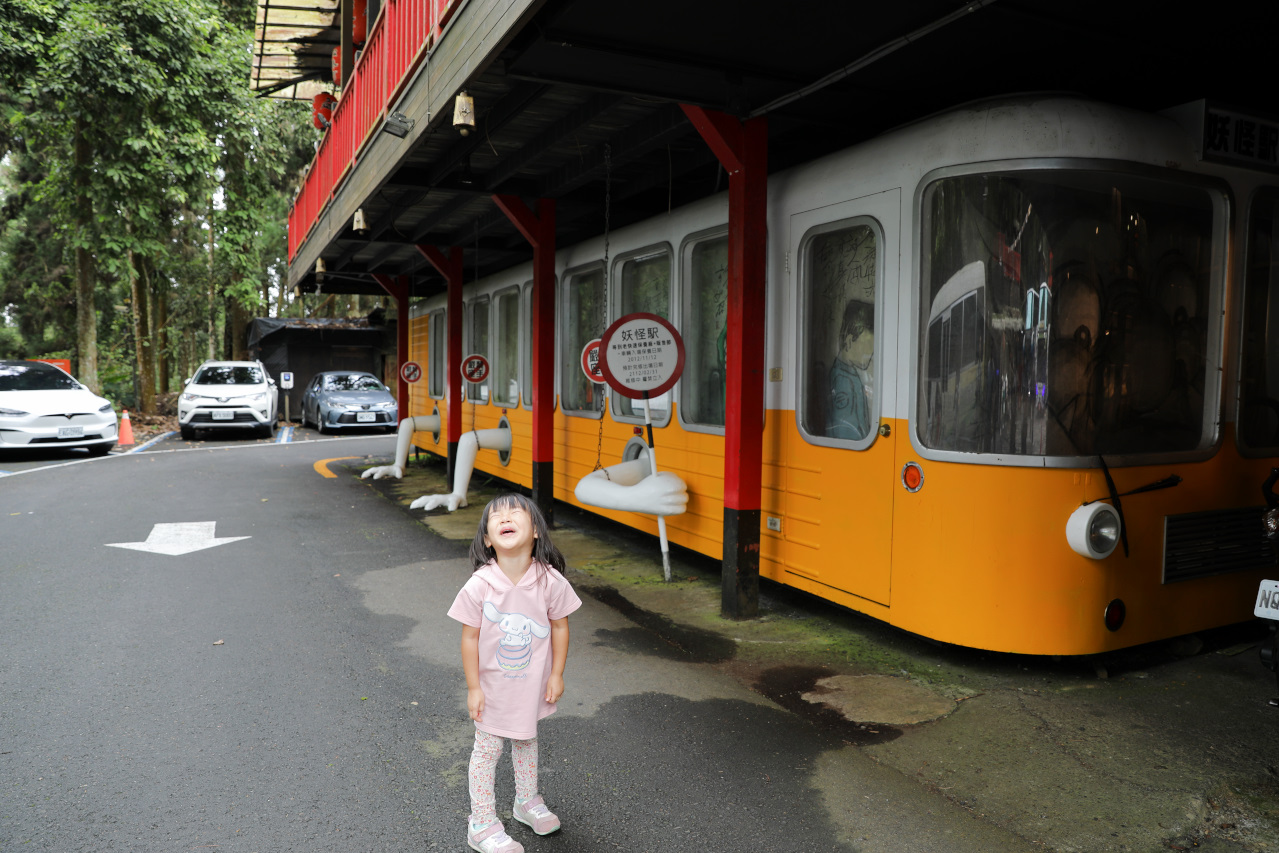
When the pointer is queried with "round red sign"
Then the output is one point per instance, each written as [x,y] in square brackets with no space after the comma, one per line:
[641,355]
[591,361]
[410,371]
[475,368]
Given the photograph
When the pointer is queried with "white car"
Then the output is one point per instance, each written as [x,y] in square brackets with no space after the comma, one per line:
[229,395]
[42,406]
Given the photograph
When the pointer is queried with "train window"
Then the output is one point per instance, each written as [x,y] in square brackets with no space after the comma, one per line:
[526,346]
[506,357]
[702,387]
[437,354]
[1259,365]
[477,342]
[584,313]
[839,283]
[1066,313]
[644,286]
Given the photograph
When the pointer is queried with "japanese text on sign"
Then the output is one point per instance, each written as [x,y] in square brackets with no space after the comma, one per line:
[1237,138]
[641,350]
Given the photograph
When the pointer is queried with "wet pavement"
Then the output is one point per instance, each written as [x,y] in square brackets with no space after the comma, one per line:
[1170,746]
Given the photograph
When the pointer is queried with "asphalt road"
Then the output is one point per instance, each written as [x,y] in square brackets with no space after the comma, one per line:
[297,687]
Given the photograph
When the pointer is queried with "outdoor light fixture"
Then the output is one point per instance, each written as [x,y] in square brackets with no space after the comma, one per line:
[319,271]
[464,112]
[464,175]
[358,223]
[398,125]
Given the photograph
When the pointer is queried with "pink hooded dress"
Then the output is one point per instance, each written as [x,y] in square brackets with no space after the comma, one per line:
[515,643]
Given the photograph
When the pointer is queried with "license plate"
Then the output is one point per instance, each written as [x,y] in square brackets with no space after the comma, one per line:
[71,432]
[1268,600]
[365,417]
[223,415]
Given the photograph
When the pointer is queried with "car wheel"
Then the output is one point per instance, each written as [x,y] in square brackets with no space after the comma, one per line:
[302,417]
[101,449]
[188,433]
[268,429]
[319,423]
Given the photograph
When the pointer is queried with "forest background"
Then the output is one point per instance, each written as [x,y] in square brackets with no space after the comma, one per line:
[144,189]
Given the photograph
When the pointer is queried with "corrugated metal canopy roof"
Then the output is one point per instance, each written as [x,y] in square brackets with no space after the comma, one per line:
[293,43]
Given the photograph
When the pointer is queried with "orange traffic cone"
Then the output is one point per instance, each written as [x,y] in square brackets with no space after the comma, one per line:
[126,430]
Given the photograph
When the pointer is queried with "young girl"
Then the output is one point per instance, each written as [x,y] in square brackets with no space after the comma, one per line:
[514,614]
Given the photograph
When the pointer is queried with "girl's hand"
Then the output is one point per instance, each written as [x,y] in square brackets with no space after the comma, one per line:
[554,688]
[475,703]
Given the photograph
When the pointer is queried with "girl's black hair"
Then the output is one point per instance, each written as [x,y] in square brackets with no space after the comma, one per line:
[544,551]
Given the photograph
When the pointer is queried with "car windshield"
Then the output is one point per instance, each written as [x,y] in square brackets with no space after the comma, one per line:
[352,382]
[34,377]
[226,374]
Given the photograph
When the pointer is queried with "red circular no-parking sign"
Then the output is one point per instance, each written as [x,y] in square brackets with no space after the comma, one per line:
[410,371]
[591,361]
[641,355]
[475,368]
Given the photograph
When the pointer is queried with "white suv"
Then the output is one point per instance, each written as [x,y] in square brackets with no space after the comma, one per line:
[229,395]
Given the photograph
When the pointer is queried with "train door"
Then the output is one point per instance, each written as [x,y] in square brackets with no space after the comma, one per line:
[840,474]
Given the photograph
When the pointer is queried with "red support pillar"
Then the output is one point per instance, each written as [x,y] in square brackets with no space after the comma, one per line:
[451,269]
[539,230]
[398,289]
[742,148]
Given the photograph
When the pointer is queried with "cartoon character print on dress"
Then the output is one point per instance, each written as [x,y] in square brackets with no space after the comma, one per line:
[515,649]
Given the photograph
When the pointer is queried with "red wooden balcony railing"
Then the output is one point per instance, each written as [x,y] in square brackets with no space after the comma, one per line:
[397,43]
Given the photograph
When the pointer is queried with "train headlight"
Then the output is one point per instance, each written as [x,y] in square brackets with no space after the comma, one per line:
[1093,530]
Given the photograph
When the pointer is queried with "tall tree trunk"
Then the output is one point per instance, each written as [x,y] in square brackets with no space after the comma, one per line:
[141,335]
[161,335]
[238,320]
[86,315]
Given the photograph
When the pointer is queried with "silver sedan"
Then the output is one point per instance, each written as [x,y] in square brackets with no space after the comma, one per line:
[344,399]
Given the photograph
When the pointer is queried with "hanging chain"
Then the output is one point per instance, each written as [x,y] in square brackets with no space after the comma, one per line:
[608,199]
[476,403]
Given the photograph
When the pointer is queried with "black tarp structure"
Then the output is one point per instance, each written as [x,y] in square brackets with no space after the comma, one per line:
[306,347]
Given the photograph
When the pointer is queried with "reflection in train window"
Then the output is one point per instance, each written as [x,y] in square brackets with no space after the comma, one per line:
[1065,314]
[839,271]
[477,342]
[506,367]
[702,388]
[437,343]
[584,307]
[1259,367]
[645,287]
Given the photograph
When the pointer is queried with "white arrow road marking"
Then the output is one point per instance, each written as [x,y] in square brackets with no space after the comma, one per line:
[178,539]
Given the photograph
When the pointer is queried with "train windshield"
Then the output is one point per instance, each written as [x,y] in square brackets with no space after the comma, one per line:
[1067,313]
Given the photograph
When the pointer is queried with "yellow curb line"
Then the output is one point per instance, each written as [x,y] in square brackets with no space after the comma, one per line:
[322,468]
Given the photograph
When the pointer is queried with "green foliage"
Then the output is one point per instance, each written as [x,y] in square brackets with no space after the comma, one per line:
[11,343]
[172,148]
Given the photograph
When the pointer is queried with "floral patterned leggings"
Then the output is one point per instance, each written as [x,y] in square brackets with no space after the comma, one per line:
[483,769]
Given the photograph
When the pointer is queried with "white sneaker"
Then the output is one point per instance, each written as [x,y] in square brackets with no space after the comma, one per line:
[535,813]
[492,839]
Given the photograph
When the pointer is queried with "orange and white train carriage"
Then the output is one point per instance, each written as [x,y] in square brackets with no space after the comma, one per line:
[1022,384]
